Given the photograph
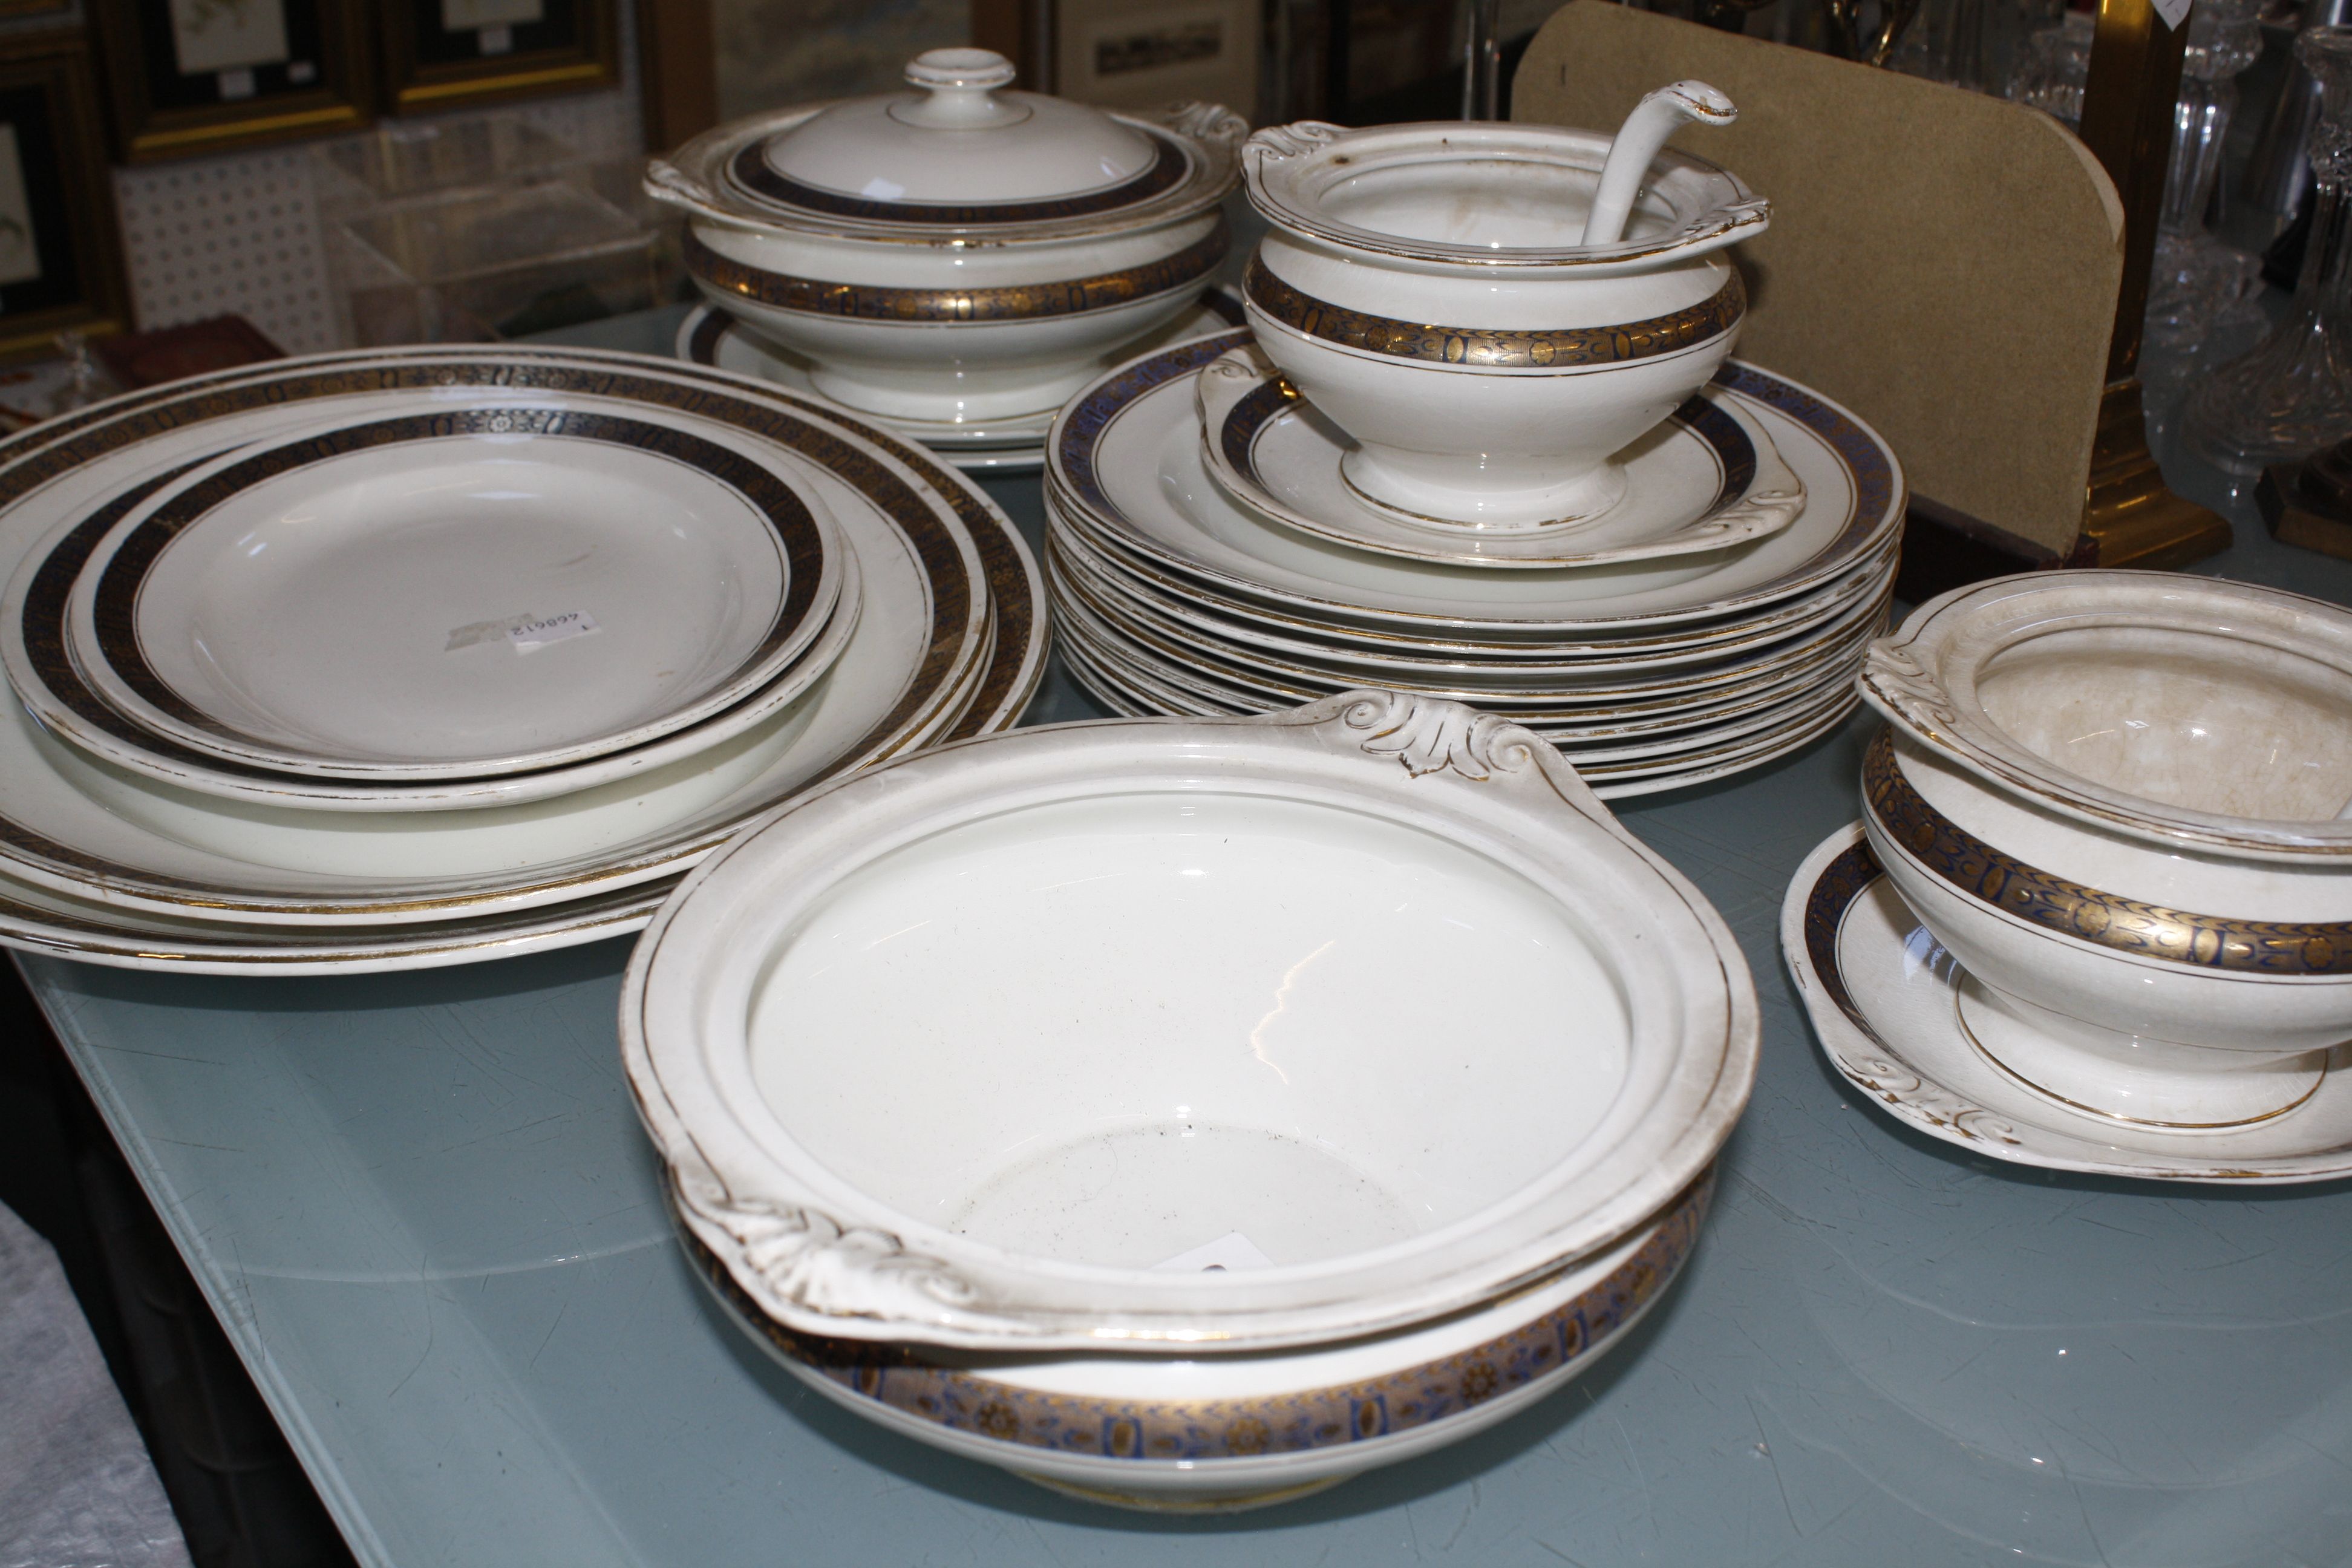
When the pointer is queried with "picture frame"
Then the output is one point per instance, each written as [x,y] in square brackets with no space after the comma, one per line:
[449,54]
[61,266]
[189,77]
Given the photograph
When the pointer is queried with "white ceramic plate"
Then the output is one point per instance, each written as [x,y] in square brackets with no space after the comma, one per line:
[1702,482]
[324,605]
[1188,619]
[916,661]
[1125,459]
[1219,928]
[41,666]
[1883,997]
[710,337]
[1277,678]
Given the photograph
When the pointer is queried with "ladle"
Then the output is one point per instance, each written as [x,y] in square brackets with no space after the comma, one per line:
[1654,119]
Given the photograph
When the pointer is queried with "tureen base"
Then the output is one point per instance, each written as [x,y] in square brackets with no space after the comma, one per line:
[1430,489]
[2110,1073]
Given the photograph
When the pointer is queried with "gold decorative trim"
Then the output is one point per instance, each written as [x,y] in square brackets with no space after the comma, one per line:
[1021,302]
[1562,349]
[967,1399]
[2087,915]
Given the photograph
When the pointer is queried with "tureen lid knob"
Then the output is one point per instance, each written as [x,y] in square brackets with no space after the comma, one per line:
[961,86]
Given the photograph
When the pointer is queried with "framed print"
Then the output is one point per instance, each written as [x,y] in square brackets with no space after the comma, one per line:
[1125,54]
[60,257]
[203,76]
[442,54]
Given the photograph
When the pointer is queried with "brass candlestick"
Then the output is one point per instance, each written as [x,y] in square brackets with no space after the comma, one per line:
[2130,518]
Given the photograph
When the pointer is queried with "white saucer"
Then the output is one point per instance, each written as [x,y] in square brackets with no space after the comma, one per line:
[711,337]
[1707,479]
[1883,998]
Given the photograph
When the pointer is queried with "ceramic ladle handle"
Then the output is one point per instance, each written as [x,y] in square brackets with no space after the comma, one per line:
[960,88]
[1645,131]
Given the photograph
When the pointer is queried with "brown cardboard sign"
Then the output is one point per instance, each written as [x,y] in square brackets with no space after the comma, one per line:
[1944,263]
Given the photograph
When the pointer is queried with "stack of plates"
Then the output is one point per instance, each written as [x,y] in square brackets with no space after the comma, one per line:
[1204,578]
[711,337]
[404,657]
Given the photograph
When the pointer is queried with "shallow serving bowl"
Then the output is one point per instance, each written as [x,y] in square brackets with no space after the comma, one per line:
[1370,1001]
[958,254]
[1178,1432]
[2115,798]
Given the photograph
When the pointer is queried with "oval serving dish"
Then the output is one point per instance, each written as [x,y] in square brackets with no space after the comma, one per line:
[979,1049]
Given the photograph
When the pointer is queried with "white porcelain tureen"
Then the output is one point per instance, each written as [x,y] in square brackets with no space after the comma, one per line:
[2119,799]
[959,252]
[1441,293]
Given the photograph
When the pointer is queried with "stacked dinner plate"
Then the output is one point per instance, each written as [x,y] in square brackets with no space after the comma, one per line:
[405,658]
[1205,556]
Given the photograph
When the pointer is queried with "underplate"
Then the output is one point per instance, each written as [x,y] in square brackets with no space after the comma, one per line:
[430,593]
[911,673]
[1160,886]
[1883,998]
[1707,479]
[709,336]
[1124,461]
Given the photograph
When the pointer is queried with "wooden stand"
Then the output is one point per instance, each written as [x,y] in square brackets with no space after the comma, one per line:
[2309,504]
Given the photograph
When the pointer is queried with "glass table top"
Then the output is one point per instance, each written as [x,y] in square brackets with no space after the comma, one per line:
[423,1207]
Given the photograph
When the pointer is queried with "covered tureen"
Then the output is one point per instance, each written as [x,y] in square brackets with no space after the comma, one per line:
[958,252]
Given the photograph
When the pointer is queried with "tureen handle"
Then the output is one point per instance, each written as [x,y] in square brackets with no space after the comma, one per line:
[1300,136]
[961,91]
[1903,689]
[1645,131]
[666,182]
[1199,122]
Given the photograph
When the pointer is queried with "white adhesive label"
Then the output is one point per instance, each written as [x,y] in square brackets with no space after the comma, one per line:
[523,633]
[2172,11]
[1231,1250]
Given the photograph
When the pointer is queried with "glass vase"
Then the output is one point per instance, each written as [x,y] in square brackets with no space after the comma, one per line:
[2291,394]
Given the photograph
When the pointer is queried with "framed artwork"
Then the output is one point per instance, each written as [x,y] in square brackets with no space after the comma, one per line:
[203,76]
[442,54]
[60,257]
[1125,54]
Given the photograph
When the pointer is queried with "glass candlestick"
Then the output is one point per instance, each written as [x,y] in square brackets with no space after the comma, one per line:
[2196,276]
[2293,393]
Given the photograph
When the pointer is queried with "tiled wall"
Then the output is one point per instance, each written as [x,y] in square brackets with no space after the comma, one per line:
[240,232]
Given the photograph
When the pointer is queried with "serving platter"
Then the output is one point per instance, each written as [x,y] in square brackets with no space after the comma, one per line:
[1705,480]
[314,605]
[1883,998]
[64,839]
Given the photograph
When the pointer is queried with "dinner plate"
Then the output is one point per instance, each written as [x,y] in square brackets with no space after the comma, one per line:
[1705,481]
[920,657]
[328,604]
[1883,995]
[1125,459]
[1291,675]
[709,336]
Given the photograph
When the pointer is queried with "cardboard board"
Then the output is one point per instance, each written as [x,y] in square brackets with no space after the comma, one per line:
[1944,263]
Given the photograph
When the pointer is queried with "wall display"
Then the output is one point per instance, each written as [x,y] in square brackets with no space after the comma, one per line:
[440,54]
[202,76]
[1125,56]
[60,257]
[771,53]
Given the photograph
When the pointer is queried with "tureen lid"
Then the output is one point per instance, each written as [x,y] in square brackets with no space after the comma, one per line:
[959,153]
[956,138]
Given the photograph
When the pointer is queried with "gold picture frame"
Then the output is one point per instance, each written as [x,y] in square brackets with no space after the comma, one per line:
[60,254]
[449,54]
[190,77]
